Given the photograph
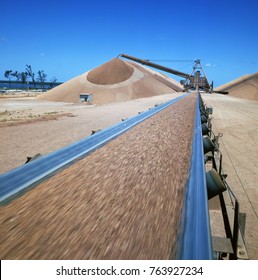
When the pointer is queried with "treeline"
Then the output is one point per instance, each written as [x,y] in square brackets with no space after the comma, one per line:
[36,79]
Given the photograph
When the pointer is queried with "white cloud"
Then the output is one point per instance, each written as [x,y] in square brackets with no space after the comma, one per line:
[42,54]
[210,65]
[3,39]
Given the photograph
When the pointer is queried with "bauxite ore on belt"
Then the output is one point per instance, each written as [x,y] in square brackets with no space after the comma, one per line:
[123,201]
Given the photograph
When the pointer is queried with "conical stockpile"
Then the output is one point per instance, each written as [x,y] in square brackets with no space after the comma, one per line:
[242,87]
[114,81]
[113,72]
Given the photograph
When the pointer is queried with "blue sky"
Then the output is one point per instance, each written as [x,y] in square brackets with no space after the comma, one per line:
[68,38]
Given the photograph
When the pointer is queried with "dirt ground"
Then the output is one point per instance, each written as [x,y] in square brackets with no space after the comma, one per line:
[237,119]
[29,126]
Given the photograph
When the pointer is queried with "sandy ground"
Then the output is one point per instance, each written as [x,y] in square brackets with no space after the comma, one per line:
[29,126]
[237,119]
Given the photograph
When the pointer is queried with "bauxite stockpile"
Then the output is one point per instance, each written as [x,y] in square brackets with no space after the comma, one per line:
[123,201]
[243,87]
[114,81]
[112,72]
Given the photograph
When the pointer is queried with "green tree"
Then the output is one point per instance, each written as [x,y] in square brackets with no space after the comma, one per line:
[42,77]
[24,76]
[53,80]
[17,75]
[7,75]
[31,74]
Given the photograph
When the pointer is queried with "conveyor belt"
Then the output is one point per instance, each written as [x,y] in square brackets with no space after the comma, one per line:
[122,201]
[26,176]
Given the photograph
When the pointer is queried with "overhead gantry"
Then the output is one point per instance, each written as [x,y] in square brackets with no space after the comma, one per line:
[191,81]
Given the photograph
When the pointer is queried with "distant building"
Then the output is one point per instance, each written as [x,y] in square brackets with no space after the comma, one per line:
[86,97]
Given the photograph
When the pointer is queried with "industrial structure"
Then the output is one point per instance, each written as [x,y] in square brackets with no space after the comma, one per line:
[191,81]
[232,246]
